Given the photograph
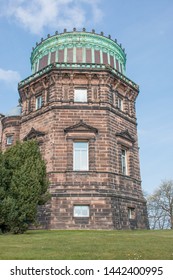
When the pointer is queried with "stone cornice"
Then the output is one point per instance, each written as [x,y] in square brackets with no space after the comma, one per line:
[52,106]
[78,68]
[10,121]
[101,194]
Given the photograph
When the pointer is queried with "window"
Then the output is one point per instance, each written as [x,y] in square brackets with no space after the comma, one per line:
[80,156]
[124,161]
[120,103]
[81,211]
[10,140]
[38,102]
[131,213]
[80,95]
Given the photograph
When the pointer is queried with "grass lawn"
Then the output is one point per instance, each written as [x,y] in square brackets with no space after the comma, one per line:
[88,245]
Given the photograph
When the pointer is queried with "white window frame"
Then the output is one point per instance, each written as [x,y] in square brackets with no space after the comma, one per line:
[81,211]
[9,139]
[75,149]
[80,95]
[38,103]
[124,167]
[120,103]
[131,213]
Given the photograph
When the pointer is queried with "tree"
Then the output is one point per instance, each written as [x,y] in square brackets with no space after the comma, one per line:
[160,206]
[23,186]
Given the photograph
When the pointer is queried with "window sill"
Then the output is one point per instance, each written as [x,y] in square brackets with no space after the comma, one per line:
[81,102]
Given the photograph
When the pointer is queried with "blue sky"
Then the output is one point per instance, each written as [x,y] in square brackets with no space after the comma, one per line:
[145,29]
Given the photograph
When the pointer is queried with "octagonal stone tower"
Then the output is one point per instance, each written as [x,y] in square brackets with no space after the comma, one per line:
[80,106]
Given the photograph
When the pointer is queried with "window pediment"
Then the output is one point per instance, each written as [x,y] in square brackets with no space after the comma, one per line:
[81,127]
[125,138]
[33,134]
[81,131]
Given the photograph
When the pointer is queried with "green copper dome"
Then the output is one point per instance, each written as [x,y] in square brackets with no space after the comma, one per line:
[78,48]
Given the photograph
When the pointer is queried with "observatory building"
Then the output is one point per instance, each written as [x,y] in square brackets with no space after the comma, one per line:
[80,107]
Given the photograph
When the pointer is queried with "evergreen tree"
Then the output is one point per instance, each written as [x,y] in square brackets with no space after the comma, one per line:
[23,186]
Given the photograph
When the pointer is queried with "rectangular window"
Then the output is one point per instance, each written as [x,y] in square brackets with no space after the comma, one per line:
[88,56]
[79,55]
[117,65]
[60,56]
[124,161]
[38,102]
[53,57]
[111,61]
[43,62]
[120,103]
[121,68]
[80,95]
[81,211]
[97,56]
[70,55]
[131,213]
[10,140]
[105,58]
[80,156]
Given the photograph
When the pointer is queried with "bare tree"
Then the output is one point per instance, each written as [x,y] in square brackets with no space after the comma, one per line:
[160,206]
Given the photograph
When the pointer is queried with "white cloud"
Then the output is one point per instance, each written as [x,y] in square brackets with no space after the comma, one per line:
[9,76]
[35,15]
